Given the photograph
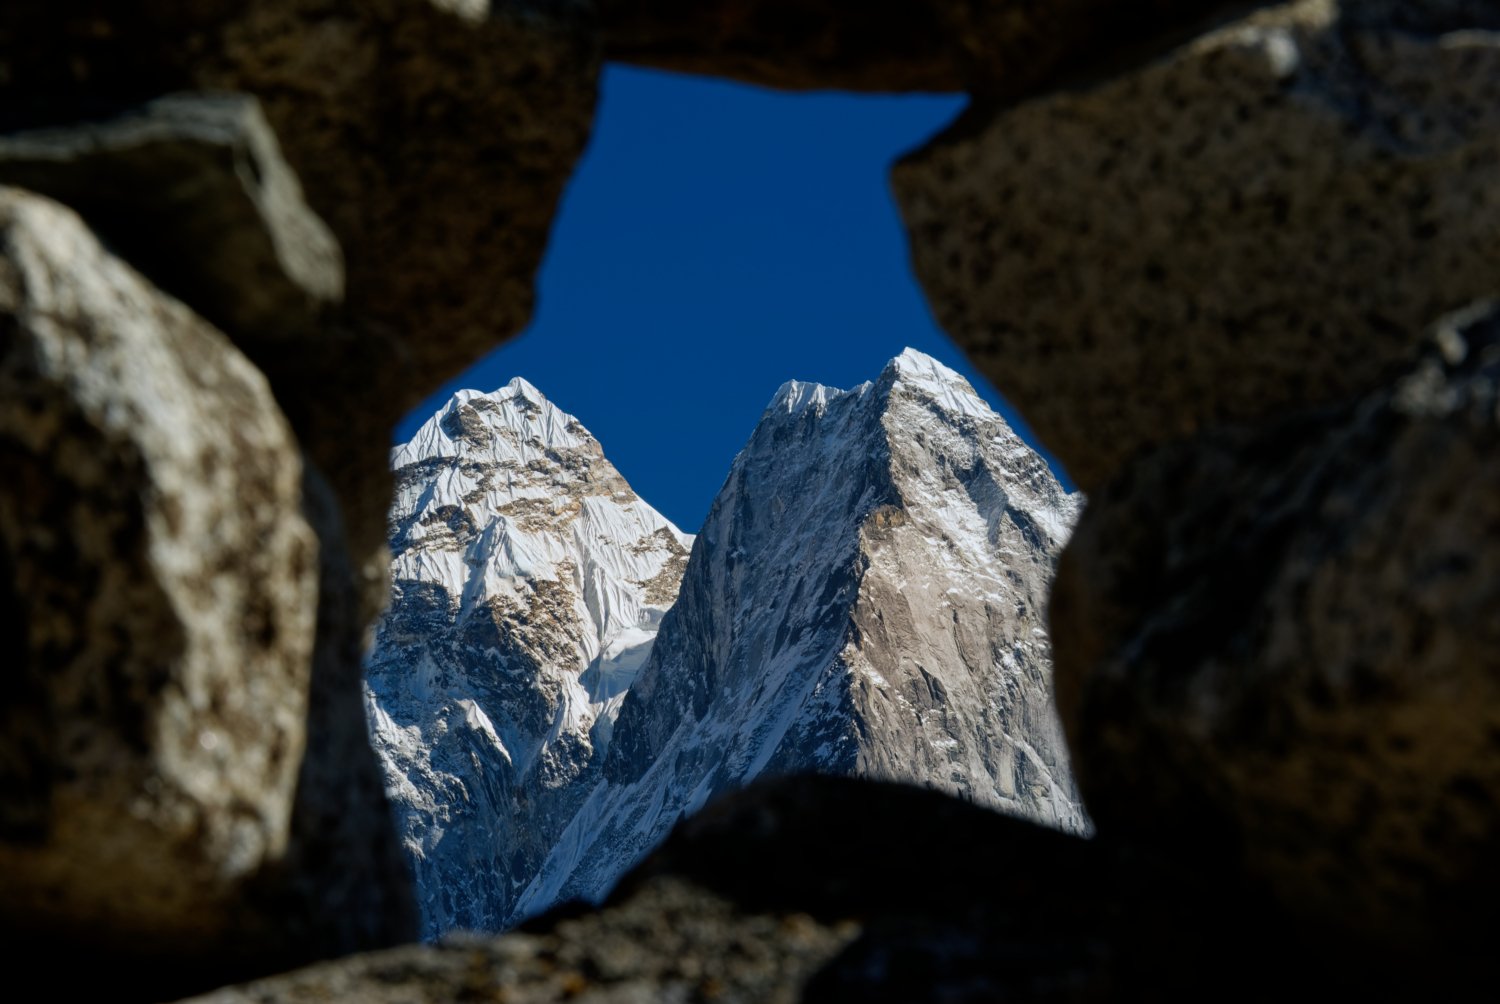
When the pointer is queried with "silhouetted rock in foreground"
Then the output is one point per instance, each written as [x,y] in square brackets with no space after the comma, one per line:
[827,889]
[1280,626]
[1000,50]
[1277,650]
[800,888]
[161,590]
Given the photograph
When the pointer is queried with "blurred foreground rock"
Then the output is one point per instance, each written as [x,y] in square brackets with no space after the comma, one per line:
[357,196]
[200,172]
[1000,49]
[1264,220]
[812,888]
[1201,277]
[160,587]
[1278,648]
[831,889]
[432,136]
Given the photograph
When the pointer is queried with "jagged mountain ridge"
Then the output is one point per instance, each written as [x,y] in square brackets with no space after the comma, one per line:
[528,582]
[866,597]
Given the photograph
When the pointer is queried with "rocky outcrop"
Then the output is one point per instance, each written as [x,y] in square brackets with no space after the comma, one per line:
[1277,647]
[796,890]
[194,171]
[1174,260]
[425,143]
[865,598]
[1263,220]
[433,137]
[528,585]
[162,584]
[830,889]
[1000,50]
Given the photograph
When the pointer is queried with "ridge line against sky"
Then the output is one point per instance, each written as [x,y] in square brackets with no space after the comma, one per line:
[717,240]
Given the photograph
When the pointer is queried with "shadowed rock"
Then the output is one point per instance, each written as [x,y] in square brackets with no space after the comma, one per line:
[801,889]
[193,191]
[1260,221]
[433,137]
[162,583]
[829,889]
[1007,48]
[1277,647]
[344,885]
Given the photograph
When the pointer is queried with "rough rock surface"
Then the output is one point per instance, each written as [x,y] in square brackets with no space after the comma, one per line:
[835,889]
[1278,647]
[1279,633]
[528,585]
[161,586]
[1260,221]
[866,598]
[345,885]
[192,190]
[802,889]
[1004,48]
[434,138]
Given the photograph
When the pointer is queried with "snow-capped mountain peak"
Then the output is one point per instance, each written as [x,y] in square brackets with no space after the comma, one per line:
[515,421]
[921,373]
[865,598]
[528,583]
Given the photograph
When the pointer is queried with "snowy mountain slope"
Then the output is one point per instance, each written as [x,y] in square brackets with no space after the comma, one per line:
[528,583]
[865,598]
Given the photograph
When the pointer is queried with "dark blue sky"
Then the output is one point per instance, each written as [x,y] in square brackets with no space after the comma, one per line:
[718,240]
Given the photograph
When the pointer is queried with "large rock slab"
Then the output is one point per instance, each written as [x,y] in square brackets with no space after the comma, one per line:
[193,191]
[1005,48]
[160,589]
[1278,647]
[434,138]
[803,889]
[1259,221]
[829,889]
[343,885]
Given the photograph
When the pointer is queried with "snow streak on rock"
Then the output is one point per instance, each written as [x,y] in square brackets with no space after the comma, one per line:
[528,585]
[865,598]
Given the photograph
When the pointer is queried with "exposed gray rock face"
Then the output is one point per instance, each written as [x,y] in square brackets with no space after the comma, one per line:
[528,585]
[1260,221]
[866,599]
[1277,648]
[200,172]
[162,583]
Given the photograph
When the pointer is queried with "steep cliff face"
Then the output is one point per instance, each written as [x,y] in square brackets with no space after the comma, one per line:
[528,584]
[866,598]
